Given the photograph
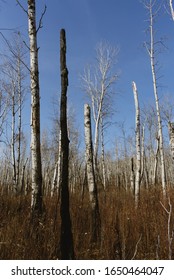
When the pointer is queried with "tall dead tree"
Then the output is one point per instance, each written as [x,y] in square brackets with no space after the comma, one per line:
[36,201]
[66,237]
[138,145]
[95,226]
[151,49]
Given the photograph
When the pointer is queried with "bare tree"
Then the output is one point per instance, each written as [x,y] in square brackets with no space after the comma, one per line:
[66,237]
[138,145]
[150,5]
[91,176]
[13,83]
[36,202]
[98,83]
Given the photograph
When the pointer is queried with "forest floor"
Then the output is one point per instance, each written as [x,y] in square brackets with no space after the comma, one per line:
[126,232]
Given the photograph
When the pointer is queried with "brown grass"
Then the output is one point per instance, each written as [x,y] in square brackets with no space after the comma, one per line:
[124,230]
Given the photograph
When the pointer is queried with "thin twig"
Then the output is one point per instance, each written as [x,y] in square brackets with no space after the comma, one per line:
[136,247]
[22,7]
[40,21]
[11,50]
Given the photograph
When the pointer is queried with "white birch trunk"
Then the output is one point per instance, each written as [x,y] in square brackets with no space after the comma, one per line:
[57,171]
[154,178]
[138,146]
[36,201]
[103,154]
[171,136]
[89,155]
[160,133]
[91,176]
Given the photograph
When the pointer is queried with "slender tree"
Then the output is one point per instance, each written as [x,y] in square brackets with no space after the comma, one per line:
[151,49]
[66,237]
[95,226]
[36,202]
[138,145]
[98,82]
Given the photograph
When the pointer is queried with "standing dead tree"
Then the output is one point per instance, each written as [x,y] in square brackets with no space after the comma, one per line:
[150,5]
[138,145]
[95,226]
[66,237]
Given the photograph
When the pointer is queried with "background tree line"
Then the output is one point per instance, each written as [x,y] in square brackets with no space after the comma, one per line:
[61,202]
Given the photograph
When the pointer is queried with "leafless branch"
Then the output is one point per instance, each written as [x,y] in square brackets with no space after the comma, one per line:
[11,50]
[22,7]
[40,21]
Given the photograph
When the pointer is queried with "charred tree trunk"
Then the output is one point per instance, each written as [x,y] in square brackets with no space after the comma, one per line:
[95,227]
[36,201]
[66,237]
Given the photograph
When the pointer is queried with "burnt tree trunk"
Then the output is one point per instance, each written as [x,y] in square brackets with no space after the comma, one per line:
[66,237]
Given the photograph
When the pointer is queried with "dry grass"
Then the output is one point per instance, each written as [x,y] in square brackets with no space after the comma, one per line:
[124,230]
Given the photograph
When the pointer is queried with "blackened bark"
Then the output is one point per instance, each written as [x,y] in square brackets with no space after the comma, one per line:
[66,237]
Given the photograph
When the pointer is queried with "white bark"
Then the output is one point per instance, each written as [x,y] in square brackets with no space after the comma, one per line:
[160,133]
[151,52]
[171,136]
[138,145]
[97,83]
[171,8]
[36,202]
[57,171]
[96,226]
[103,154]
[89,155]
[154,178]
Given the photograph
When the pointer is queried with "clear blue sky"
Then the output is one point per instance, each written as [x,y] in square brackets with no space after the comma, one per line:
[120,22]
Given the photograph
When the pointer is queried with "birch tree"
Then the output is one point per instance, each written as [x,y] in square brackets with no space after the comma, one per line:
[66,237]
[150,5]
[14,74]
[36,201]
[98,83]
[138,145]
[95,227]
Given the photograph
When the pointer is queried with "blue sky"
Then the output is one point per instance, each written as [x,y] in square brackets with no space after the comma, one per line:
[120,22]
